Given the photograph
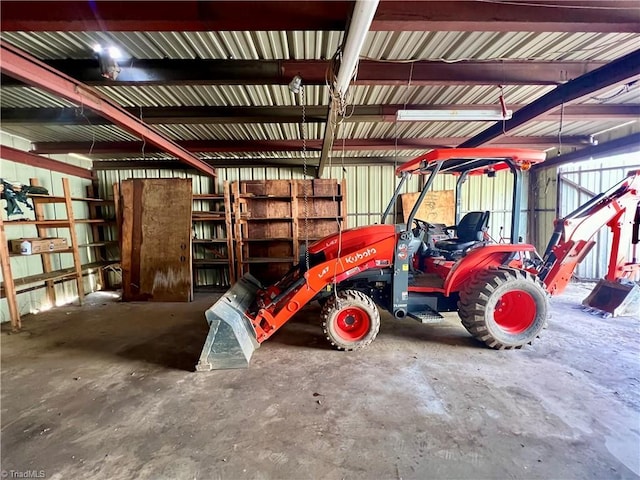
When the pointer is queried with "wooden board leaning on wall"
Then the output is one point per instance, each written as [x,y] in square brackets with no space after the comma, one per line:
[437,207]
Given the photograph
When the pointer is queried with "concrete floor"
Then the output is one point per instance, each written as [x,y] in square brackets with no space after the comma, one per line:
[106,391]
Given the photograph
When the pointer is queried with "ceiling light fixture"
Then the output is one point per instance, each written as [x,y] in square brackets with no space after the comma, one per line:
[453,115]
[107,61]
[115,53]
[295,84]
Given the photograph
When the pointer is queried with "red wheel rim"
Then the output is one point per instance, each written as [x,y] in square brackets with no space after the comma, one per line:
[515,311]
[353,324]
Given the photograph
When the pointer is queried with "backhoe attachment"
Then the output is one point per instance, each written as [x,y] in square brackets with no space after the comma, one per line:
[614,299]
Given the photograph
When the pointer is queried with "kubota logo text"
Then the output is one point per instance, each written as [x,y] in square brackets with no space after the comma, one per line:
[360,255]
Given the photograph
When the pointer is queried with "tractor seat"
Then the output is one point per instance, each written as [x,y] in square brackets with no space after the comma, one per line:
[469,231]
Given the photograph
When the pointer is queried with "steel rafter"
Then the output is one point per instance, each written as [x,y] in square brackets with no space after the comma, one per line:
[33,160]
[499,16]
[28,69]
[174,16]
[620,71]
[606,149]
[313,72]
[202,16]
[242,146]
[285,114]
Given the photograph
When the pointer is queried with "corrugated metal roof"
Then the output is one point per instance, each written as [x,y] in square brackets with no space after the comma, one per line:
[548,128]
[244,131]
[444,94]
[393,46]
[212,95]
[68,133]
[259,45]
[23,97]
[269,45]
[452,46]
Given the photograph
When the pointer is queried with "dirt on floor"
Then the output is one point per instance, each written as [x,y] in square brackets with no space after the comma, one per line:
[107,391]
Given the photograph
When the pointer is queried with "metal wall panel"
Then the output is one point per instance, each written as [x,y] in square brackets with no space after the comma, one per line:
[369,188]
[544,195]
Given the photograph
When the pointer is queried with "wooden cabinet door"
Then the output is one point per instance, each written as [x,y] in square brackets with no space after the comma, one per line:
[156,239]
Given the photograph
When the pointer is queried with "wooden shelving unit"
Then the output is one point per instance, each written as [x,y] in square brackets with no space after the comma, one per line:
[9,288]
[212,245]
[270,220]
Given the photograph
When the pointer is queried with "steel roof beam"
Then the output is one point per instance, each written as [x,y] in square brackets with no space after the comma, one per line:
[202,16]
[623,70]
[173,16]
[241,162]
[33,160]
[313,72]
[27,69]
[285,114]
[242,146]
[498,16]
[630,143]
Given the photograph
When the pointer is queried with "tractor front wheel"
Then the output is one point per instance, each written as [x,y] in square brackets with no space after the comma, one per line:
[504,308]
[351,320]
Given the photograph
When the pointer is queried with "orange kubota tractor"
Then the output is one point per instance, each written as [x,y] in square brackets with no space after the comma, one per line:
[418,269]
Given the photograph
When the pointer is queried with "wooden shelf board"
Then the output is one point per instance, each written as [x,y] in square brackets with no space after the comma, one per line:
[94,220]
[274,239]
[267,219]
[311,197]
[57,274]
[208,261]
[43,277]
[207,216]
[249,196]
[43,223]
[66,250]
[269,260]
[208,196]
[58,199]
[209,240]
[97,244]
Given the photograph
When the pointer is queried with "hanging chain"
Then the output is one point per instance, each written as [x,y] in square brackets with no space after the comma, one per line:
[303,129]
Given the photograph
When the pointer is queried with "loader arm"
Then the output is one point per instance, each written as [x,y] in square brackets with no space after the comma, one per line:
[271,317]
[572,239]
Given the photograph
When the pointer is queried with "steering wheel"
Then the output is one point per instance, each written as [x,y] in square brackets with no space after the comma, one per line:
[421,228]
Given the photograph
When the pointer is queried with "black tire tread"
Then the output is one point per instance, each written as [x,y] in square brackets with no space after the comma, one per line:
[352,297]
[475,296]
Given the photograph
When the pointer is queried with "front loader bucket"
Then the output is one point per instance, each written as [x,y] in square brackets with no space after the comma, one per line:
[614,298]
[231,339]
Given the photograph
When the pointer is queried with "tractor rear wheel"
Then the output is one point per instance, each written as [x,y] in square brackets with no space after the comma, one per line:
[351,320]
[504,308]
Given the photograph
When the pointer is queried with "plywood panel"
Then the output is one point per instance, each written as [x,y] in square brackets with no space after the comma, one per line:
[437,207]
[156,239]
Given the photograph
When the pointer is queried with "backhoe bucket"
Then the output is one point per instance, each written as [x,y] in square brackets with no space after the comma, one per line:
[232,339]
[614,298]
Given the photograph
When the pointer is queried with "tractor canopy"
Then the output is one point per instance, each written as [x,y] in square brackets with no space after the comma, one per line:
[472,161]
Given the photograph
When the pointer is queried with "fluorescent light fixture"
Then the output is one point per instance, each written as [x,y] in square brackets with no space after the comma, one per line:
[108,60]
[452,115]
